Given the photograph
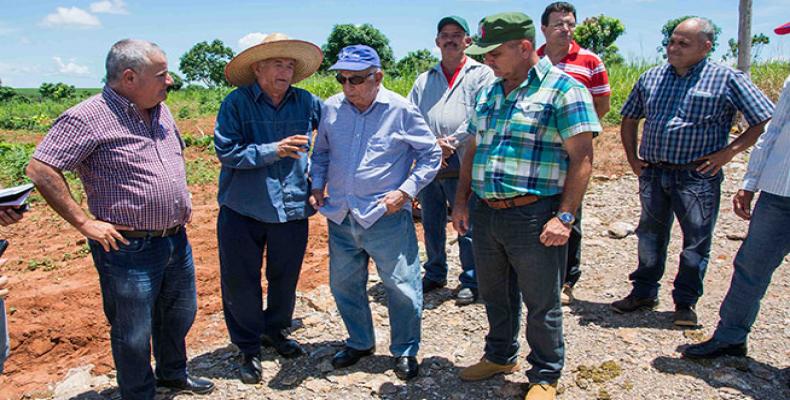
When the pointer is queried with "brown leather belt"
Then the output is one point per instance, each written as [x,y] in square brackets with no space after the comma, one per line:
[677,167]
[518,201]
[158,233]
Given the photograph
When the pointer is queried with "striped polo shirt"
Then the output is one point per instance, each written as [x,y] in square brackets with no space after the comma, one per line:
[586,67]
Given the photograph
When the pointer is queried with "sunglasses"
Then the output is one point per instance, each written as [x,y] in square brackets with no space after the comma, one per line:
[354,80]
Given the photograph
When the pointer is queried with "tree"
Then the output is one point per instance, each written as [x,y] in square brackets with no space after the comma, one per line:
[57,91]
[598,35]
[416,62]
[6,93]
[347,34]
[178,82]
[670,26]
[758,43]
[205,63]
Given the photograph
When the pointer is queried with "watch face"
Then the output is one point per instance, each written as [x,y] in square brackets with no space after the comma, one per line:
[566,217]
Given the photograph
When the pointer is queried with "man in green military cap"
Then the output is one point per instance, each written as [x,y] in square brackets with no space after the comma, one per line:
[526,171]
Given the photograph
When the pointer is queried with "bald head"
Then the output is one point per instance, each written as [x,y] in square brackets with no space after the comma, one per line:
[699,26]
[690,43]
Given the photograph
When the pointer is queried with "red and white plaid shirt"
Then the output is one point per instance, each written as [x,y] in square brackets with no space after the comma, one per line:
[586,67]
[133,175]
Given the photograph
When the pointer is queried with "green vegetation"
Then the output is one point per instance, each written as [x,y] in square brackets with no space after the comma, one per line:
[598,35]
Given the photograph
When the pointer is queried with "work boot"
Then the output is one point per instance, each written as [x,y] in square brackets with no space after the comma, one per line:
[632,303]
[685,316]
[485,369]
[541,391]
[566,296]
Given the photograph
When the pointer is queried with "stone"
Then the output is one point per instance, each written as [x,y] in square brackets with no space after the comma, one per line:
[77,380]
[620,230]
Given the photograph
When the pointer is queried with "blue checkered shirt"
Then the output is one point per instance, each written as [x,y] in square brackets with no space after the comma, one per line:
[687,117]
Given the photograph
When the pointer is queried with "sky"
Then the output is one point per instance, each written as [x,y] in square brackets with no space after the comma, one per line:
[67,40]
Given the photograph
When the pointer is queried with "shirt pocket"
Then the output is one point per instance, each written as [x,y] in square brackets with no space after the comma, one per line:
[701,106]
[528,117]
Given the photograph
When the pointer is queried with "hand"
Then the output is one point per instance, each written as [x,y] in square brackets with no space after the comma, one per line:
[555,233]
[460,218]
[712,163]
[742,204]
[292,146]
[448,146]
[394,201]
[316,198]
[105,233]
[3,289]
[637,165]
[8,216]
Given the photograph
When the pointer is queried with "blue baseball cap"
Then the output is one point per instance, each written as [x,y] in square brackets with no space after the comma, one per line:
[356,58]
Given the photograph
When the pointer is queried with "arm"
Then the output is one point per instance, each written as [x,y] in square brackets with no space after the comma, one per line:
[628,133]
[460,215]
[712,163]
[319,164]
[53,187]
[601,105]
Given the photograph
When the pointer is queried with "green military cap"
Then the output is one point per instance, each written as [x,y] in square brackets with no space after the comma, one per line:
[500,28]
[453,19]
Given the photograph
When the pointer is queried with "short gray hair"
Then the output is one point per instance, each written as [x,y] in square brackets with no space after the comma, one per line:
[706,28]
[129,54]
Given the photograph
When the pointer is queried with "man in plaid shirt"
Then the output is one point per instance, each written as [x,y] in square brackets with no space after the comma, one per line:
[528,166]
[124,145]
[688,105]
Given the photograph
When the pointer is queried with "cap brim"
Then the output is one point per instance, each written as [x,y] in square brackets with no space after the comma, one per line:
[351,66]
[783,29]
[477,49]
[308,58]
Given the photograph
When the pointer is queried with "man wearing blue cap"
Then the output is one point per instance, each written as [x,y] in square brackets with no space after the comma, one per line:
[445,95]
[373,154]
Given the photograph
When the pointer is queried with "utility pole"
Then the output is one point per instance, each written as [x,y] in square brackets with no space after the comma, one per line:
[745,36]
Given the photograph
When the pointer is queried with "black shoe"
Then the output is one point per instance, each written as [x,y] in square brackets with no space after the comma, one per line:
[349,356]
[406,367]
[429,285]
[466,296]
[250,369]
[685,316]
[190,384]
[285,347]
[713,348]
[633,303]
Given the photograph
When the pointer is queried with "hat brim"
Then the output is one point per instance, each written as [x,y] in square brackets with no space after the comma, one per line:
[480,49]
[307,56]
[783,30]
[351,66]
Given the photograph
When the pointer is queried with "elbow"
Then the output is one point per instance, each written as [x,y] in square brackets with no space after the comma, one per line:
[33,171]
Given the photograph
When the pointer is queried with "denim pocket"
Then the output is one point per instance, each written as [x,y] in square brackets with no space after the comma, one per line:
[134,246]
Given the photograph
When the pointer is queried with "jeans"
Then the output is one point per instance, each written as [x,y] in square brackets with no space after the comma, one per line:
[148,290]
[513,266]
[692,198]
[433,201]
[765,247]
[573,269]
[392,243]
[4,342]
[241,246]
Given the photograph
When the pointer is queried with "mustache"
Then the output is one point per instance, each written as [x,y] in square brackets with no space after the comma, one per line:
[450,44]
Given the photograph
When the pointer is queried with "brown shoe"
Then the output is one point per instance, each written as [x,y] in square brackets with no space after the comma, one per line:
[541,391]
[485,369]
[685,316]
[633,303]
[566,296]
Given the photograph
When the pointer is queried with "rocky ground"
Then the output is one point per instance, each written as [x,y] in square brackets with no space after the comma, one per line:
[609,356]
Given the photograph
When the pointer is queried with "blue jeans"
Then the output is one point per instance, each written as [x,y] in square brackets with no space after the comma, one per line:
[573,270]
[241,246]
[512,265]
[148,289]
[433,202]
[692,198]
[766,245]
[4,345]
[392,243]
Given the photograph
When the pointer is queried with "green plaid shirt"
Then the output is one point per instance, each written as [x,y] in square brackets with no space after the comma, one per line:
[520,137]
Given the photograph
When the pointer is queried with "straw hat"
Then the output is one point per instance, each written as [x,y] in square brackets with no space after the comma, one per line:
[308,58]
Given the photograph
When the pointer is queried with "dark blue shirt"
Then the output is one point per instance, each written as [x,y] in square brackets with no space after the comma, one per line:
[690,116]
[254,180]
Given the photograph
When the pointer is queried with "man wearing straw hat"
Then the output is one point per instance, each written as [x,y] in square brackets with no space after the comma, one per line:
[373,154]
[261,138]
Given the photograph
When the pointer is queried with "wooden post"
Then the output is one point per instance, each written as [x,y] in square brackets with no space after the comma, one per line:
[745,36]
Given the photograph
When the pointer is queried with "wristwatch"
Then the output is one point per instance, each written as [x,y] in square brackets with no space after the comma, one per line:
[566,218]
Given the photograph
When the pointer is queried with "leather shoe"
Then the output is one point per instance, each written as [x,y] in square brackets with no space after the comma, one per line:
[406,367]
[250,369]
[349,356]
[466,296]
[632,303]
[190,384]
[429,285]
[713,348]
[285,347]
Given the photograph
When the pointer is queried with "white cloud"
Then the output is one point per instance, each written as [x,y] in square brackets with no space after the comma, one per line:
[251,39]
[70,68]
[6,29]
[16,69]
[109,7]
[73,16]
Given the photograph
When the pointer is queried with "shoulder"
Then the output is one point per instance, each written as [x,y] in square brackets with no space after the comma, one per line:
[237,95]
[395,100]
[561,81]
[334,101]
[87,110]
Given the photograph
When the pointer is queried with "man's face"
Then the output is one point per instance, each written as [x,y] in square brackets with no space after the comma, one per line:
[274,74]
[560,28]
[452,41]
[363,94]
[505,59]
[150,87]
[687,45]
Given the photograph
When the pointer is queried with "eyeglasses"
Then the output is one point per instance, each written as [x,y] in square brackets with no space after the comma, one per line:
[563,25]
[354,79]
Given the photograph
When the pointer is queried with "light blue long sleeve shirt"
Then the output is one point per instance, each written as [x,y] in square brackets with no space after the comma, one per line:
[359,157]
[769,162]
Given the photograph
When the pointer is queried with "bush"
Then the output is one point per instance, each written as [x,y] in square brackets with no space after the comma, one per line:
[6,93]
[57,91]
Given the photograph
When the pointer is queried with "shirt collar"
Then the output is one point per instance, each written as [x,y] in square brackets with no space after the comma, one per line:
[258,93]
[694,70]
[538,71]
[382,97]
[575,48]
[115,98]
